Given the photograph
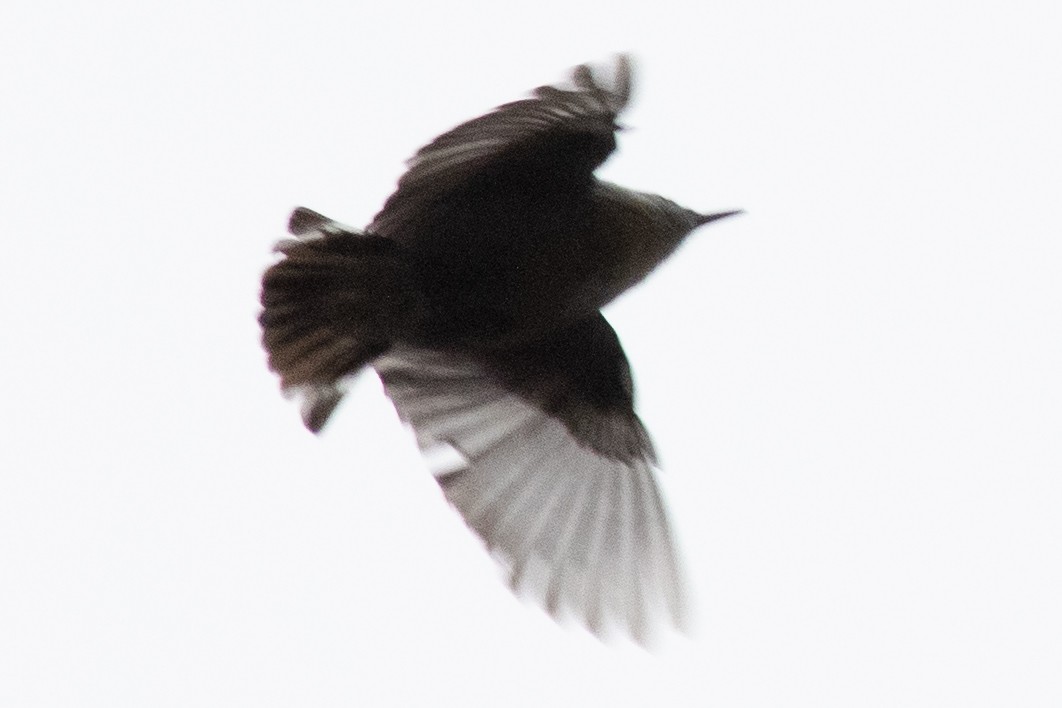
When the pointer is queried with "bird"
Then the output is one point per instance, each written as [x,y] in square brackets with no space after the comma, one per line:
[475,294]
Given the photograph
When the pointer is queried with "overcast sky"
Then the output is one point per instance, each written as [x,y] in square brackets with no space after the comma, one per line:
[855,388]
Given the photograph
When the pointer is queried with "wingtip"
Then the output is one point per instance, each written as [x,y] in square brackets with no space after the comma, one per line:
[624,72]
[617,87]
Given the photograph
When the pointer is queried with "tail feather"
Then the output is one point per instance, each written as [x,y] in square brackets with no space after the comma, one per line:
[304,221]
[332,304]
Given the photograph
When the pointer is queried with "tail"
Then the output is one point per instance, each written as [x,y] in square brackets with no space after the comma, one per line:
[332,304]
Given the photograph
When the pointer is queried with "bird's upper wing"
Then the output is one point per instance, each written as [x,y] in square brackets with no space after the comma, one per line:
[558,132]
[553,470]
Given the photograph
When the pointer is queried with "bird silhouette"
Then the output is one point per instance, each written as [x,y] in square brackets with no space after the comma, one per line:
[475,294]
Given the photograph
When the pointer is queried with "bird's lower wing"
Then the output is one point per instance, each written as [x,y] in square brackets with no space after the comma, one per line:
[584,534]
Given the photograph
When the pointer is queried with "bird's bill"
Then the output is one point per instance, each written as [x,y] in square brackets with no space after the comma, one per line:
[707,218]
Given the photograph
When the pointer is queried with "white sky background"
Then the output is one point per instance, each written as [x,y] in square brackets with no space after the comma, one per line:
[855,387]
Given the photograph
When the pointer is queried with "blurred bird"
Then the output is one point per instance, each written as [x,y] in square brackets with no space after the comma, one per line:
[475,294]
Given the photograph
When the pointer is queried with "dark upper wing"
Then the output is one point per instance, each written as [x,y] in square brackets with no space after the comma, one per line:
[561,131]
[543,456]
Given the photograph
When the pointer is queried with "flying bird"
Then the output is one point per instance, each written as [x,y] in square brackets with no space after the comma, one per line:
[475,294]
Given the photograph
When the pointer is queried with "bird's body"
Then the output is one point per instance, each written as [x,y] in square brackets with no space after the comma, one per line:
[475,293]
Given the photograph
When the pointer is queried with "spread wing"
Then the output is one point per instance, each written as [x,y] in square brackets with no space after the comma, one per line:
[550,466]
[560,132]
